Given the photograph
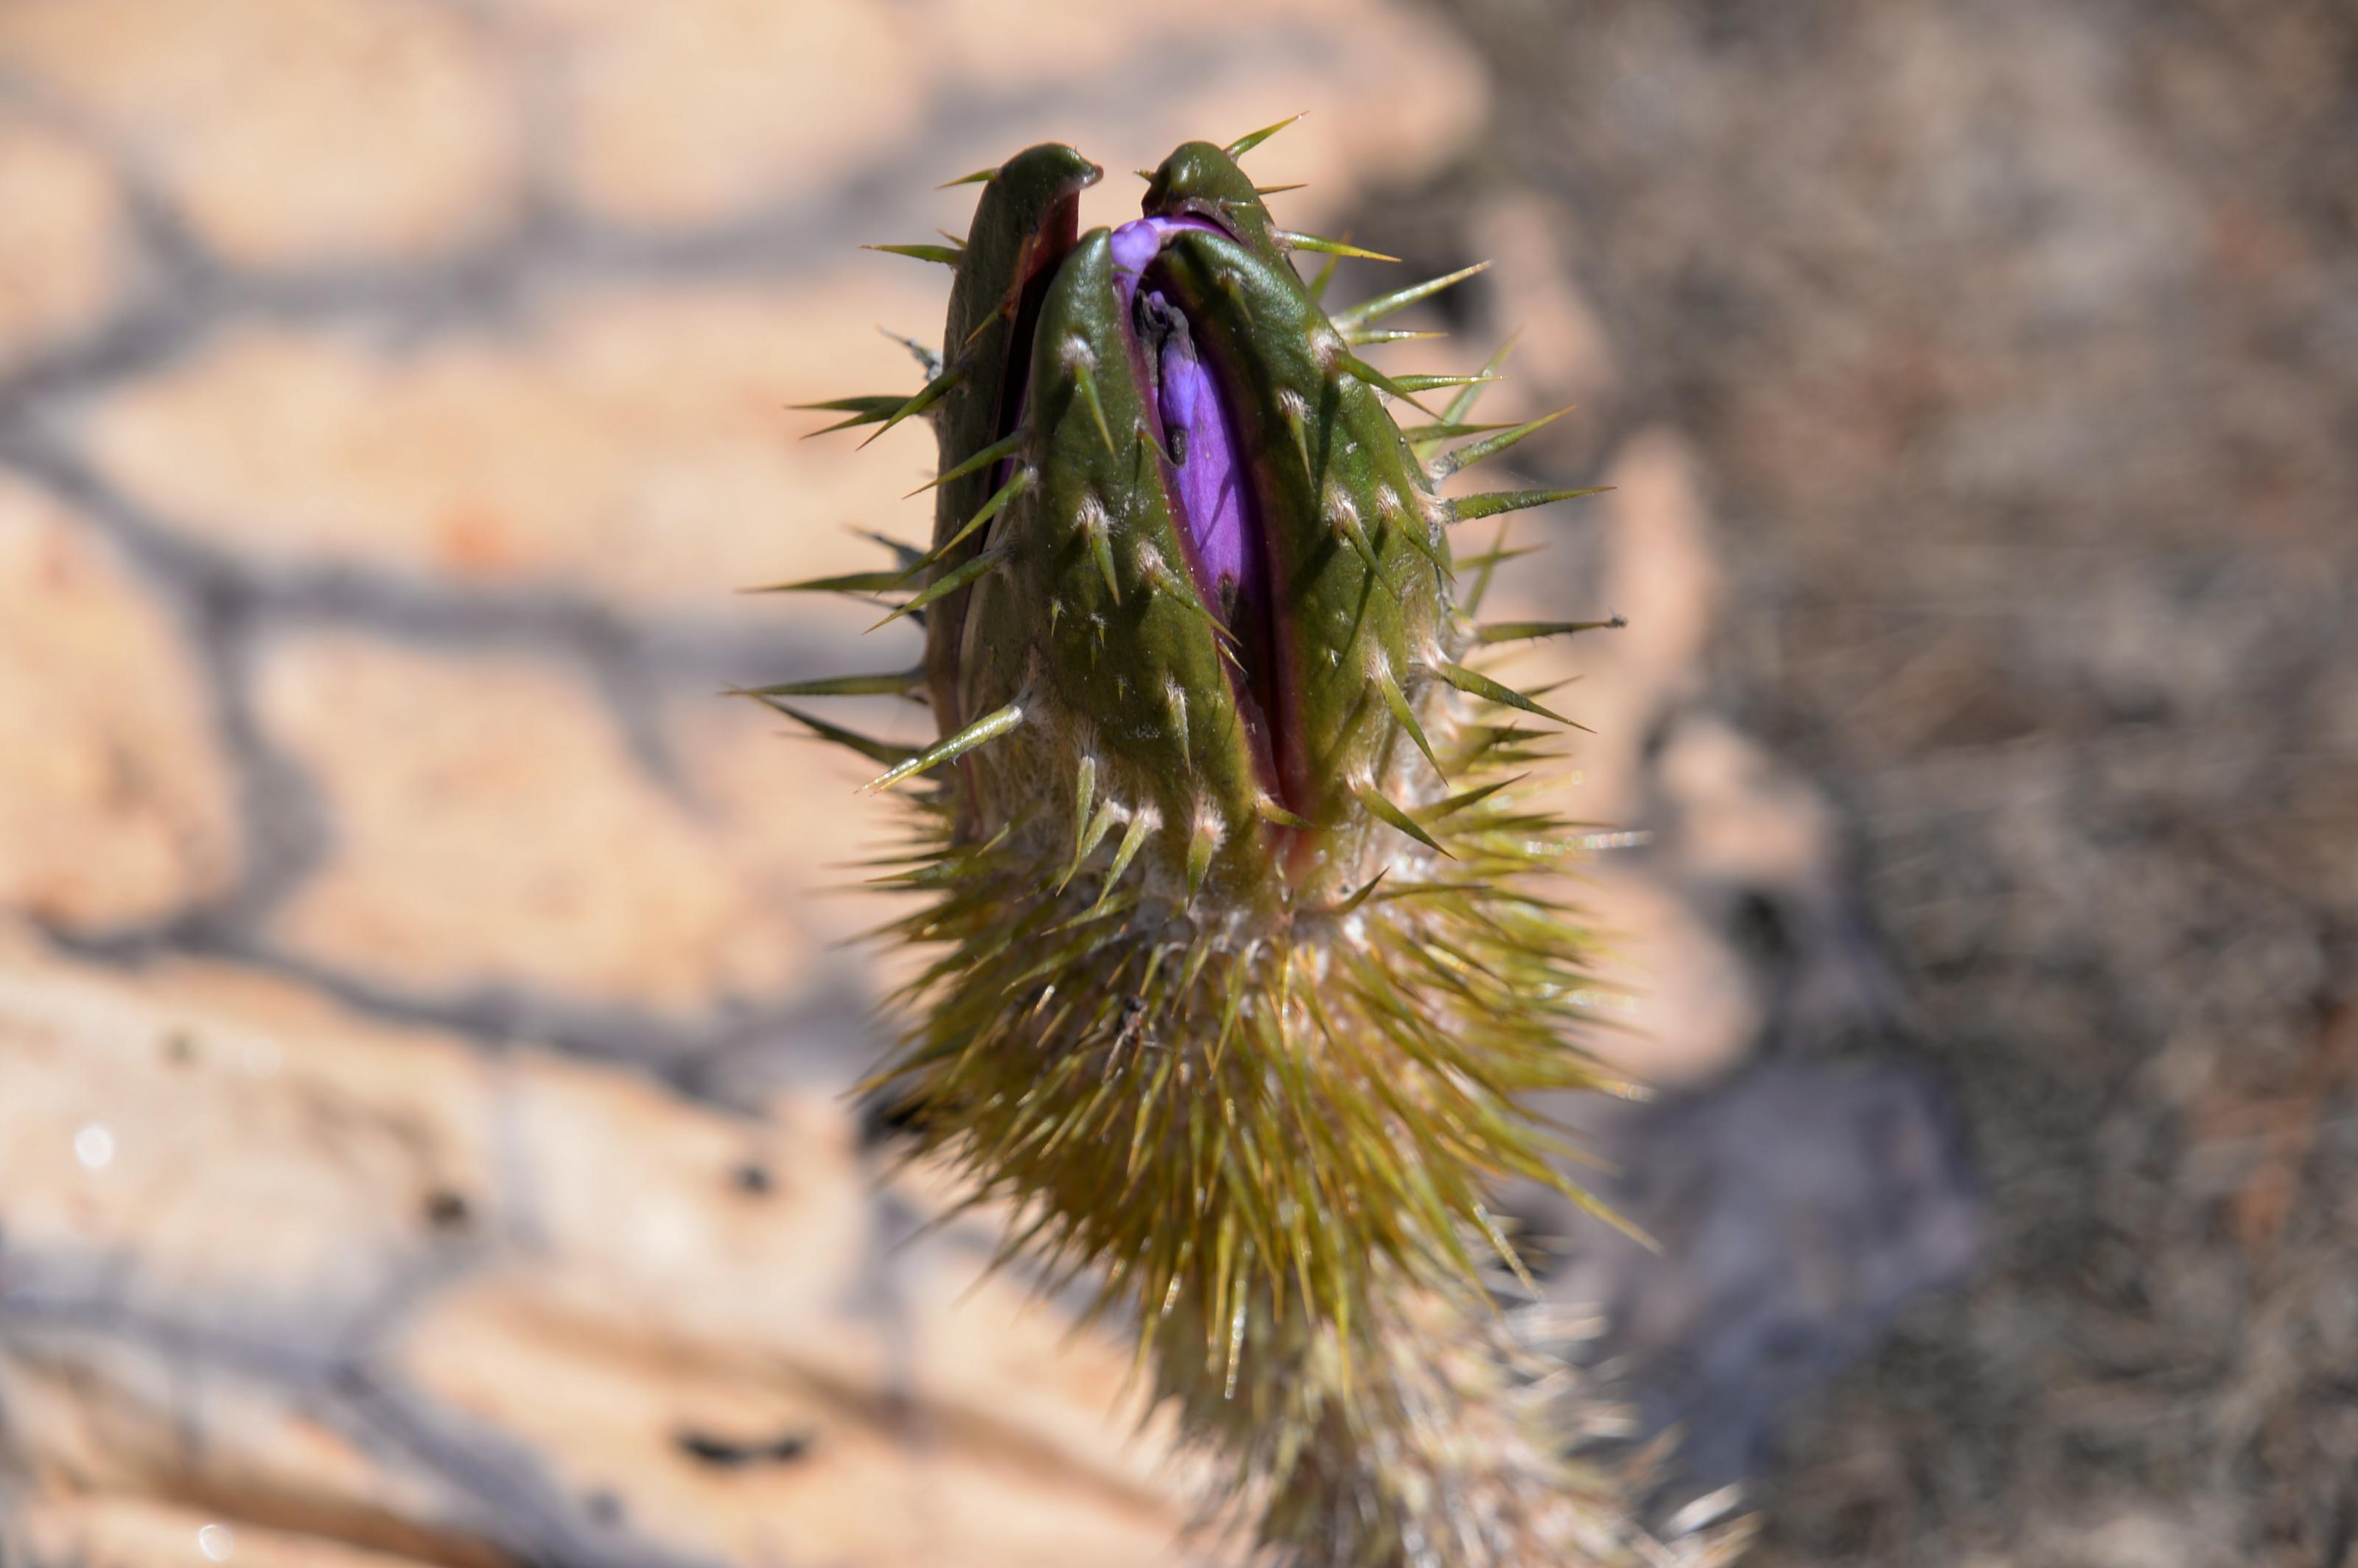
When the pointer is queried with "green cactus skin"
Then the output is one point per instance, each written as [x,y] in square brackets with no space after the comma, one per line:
[1242,981]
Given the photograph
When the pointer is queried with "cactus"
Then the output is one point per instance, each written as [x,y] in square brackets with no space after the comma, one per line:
[1226,851]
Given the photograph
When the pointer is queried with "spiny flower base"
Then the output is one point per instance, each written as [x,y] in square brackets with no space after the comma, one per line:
[1244,969]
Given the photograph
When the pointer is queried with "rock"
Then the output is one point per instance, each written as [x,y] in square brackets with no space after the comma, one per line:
[358,1290]
[114,803]
[291,132]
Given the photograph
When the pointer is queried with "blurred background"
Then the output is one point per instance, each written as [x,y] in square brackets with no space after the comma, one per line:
[426,1010]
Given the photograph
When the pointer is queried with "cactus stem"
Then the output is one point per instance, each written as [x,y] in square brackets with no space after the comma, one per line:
[1252,139]
[1379,808]
[1518,630]
[981,459]
[1491,503]
[988,727]
[1490,445]
[1383,305]
[1474,683]
[950,582]
[945,254]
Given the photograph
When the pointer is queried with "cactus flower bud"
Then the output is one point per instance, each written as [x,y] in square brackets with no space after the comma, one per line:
[1241,982]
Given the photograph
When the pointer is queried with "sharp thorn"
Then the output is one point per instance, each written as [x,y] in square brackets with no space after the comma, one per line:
[989,726]
[1397,701]
[1462,405]
[1015,486]
[1489,446]
[1088,384]
[997,314]
[1384,809]
[980,177]
[945,254]
[874,751]
[1383,305]
[1292,240]
[925,357]
[1199,854]
[863,410]
[950,582]
[1360,897]
[983,458]
[1404,388]
[892,684]
[1491,503]
[1252,139]
[928,395]
[1269,811]
[1475,684]
[1141,823]
[1517,630]
[1325,275]
[849,582]
[1085,791]
[1100,826]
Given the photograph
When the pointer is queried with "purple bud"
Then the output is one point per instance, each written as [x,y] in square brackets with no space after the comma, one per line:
[1196,428]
